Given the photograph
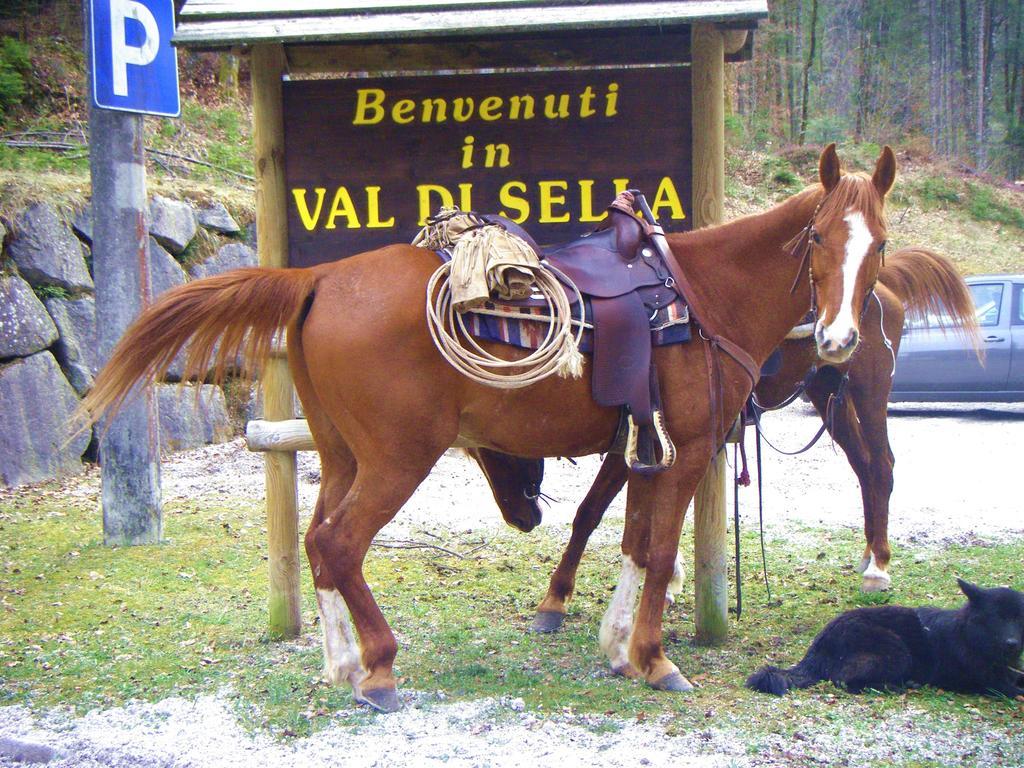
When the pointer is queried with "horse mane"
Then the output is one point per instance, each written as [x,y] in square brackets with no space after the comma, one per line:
[926,283]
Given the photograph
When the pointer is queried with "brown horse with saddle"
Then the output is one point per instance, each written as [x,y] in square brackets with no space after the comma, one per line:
[851,398]
[383,405]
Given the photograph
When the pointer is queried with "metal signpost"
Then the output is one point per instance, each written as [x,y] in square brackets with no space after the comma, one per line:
[133,71]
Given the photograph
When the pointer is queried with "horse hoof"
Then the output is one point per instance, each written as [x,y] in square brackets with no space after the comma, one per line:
[545,622]
[381,699]
[875,583]
[626,670]
[674,682]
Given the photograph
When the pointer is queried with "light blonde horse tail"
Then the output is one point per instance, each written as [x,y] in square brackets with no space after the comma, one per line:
[221,318]
[929,283]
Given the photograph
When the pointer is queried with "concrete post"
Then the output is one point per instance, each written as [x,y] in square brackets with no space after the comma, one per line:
[129,443]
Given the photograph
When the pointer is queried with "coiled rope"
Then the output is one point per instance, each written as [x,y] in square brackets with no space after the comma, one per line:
[558,353]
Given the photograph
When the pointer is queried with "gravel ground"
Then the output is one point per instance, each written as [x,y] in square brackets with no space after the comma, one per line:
[485,733]
[954,463]
[955,466]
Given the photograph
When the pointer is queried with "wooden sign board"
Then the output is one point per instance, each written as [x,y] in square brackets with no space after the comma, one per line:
[368,159]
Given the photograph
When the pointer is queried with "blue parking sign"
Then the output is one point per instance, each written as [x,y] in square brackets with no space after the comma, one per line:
[134,65]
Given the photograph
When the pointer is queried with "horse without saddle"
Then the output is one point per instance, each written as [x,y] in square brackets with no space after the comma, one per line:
[621,272]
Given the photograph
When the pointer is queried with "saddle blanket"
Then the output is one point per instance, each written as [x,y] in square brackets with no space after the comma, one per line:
[526,326]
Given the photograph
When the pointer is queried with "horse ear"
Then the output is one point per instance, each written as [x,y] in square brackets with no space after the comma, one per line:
[973,591]
[885,171]
[828,167]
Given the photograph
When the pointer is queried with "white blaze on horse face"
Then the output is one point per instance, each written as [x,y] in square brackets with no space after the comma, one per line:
[341,649]
[839,331]
[617,624]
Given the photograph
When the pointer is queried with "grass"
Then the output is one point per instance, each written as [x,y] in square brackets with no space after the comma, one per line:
[984,205]
[44,292]
[89,626]
[979,226]
[219,134]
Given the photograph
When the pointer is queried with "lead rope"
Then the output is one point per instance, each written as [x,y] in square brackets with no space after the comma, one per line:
[743,479]
[558,353]
[760,513]
[736,526]
[881,327]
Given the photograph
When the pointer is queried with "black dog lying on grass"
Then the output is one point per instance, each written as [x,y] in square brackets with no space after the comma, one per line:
[975,649]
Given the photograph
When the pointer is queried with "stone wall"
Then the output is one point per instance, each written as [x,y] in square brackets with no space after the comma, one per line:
[48,351]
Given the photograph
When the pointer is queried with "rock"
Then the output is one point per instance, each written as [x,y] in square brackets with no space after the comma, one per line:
[46,251]
[250,234]
[25,327]
[37,402]
[172,223]
[216,217]
[25,752]
[82,224]
[164,272]
[184,423]
[230,256]
[76,350]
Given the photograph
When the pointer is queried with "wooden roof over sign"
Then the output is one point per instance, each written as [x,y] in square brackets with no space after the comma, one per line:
[211,24]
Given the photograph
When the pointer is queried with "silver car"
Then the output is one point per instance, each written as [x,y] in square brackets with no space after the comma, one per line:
[937,363]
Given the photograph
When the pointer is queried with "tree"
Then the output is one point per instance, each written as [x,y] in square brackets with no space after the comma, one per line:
[807,71]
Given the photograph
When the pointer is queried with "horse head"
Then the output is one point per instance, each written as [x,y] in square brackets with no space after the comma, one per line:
[515,483]
[846,239]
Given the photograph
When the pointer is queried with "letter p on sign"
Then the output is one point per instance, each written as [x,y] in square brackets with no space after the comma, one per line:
[134,65]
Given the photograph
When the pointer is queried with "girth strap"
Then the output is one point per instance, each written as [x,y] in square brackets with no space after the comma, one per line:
[709,333]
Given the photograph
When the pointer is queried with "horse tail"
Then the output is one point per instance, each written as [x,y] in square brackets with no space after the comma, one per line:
[221,318]
[778,681]
[928,282]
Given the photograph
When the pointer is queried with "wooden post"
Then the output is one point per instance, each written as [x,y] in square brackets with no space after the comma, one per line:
[711,581]
[709,563]
[268,66]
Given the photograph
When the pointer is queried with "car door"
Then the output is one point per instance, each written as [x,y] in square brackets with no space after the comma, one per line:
[1016,377]
[935,358]
[994,325]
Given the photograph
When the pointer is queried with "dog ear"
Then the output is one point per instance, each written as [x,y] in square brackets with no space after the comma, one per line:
[973,591]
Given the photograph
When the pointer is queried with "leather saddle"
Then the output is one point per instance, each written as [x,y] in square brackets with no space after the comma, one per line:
[620,271]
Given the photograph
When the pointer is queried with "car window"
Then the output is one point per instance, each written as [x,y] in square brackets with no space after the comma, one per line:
[1018,302]
[987,299]
[929,320]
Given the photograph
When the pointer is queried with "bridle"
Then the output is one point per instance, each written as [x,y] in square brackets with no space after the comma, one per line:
[801,246]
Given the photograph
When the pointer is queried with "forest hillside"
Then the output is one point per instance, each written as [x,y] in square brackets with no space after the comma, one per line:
[942,82]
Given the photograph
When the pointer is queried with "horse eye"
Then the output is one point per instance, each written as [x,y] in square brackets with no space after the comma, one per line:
[816,237]
[881,247]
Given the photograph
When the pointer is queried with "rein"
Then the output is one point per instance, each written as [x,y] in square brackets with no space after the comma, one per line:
[828,423]
[739,480]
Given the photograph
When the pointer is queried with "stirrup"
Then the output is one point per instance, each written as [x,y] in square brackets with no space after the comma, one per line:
[631,454]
